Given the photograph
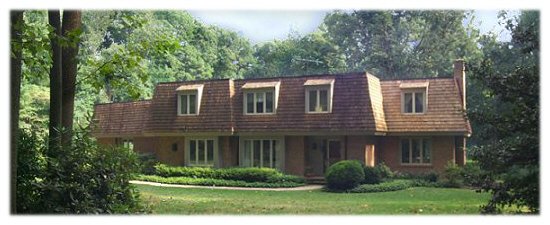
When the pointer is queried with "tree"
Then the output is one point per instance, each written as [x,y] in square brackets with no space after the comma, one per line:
[508,146]
[55,84]
[71,29]
[16,22]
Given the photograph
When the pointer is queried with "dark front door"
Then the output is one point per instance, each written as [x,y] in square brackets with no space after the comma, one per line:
[333,154]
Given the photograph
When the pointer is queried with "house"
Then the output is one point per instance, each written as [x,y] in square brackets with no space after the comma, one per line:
[299,125]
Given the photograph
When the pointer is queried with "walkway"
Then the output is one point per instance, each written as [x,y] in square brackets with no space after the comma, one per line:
[302,188]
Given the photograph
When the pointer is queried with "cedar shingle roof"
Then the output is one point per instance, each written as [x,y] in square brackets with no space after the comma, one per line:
[123,119]
[444,112]
[361,103]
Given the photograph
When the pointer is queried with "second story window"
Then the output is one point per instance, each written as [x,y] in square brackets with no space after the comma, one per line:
[318,100]
[187,104]
[414,97]
[319,95]
[259,102]
[260,97]
[414,102]
[189,98]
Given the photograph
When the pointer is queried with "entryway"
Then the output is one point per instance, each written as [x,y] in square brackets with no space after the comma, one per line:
[321,153]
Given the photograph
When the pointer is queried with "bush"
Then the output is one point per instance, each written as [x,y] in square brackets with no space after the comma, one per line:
[452,176]
[147,162]
[248,174]
[472,174]
[344,175]
[376,174]
[30,170]
[430,176]
[91,179]
[393,185]
[216,182]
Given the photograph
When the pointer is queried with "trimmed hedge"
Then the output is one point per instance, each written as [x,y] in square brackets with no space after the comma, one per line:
[248,174]
[394,185]
[215,182]
[376,174]
[344,175]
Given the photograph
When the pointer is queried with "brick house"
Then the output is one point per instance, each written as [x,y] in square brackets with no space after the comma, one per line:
[299,125]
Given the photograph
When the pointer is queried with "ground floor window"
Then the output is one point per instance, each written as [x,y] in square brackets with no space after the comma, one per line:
[260,153]
[416,151]
[201,152]
[124,142]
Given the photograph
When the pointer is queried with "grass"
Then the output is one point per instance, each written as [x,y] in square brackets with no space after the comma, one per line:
[420,200]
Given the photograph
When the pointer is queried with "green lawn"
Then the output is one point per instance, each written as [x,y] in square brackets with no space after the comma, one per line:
[421,200]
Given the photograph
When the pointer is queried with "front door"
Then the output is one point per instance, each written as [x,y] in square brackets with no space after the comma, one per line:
[333,154]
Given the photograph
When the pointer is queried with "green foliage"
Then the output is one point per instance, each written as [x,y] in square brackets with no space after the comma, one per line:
[430,176]
[246,174]
[344,175]
[90,179]
[393,185]
[376,174]
[30,169]
[35,106]
[508,146]
[217,182]
[147,163]
[452,176]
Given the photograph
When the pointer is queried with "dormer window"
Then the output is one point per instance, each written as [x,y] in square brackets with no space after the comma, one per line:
[413,98]
[189,98]
[319,95]
[260,97]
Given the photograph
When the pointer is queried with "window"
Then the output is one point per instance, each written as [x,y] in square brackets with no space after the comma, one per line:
[414,101]
[260,153]
[201,152]
[259,102]
[415,151]
[188,104]
[126,143]
[189,98]
[317,100]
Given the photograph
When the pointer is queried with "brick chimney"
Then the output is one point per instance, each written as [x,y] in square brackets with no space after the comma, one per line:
[460,78]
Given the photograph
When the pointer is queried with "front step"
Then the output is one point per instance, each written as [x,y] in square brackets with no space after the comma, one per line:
[315,180]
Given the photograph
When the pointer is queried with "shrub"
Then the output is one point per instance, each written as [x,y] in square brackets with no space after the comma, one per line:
[248,174]
[216,182]
[344,175]
[393,185]
[147,163]
[376,174]
[472,174]
[452,176]
[430,176]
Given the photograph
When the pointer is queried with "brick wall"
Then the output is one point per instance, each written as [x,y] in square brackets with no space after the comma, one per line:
[357,147]
[165,154]
[294,155]
[442,151]
[229,151]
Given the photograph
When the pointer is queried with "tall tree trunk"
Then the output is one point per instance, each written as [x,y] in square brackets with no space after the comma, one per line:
[54,140]
[71,23]
[15,61]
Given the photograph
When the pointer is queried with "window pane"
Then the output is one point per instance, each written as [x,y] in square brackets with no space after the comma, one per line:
[274,153]
[269,102]
[323,100]
[312,100]
[426,153]
[415,151]
[192,104]
[408,103]
[419,102]
[200,150]
[266,153]
[247,154]
[260,102]
[183,104]
[193,151]
[250,103]
[210,152]
[257,153]
[405,151]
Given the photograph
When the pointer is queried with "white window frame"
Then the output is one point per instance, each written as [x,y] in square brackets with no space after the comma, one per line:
[279,152]
[255,93]
[318,90]
[198,162]
[413,93]
[410,161]
[186,91]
